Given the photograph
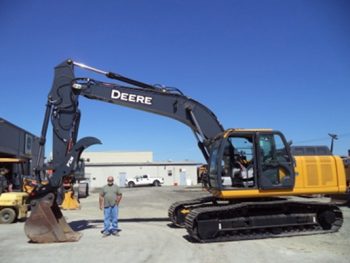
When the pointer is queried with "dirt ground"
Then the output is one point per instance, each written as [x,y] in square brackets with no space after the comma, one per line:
[147,236]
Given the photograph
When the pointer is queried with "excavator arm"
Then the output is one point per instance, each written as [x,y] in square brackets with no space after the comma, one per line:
[63,109]
[46,223]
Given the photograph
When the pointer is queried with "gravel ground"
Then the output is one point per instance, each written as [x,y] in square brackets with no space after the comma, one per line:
[147,236]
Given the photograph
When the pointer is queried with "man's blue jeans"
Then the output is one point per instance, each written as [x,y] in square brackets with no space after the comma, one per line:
[111,218]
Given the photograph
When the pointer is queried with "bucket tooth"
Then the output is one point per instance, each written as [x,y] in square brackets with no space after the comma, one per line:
[46,223]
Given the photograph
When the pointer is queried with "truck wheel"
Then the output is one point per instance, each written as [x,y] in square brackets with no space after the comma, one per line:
[131,184]
[156,183]
[7,216]
[83,190]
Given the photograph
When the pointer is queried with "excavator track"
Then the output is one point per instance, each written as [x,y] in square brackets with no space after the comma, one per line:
[258,220]
[178,211]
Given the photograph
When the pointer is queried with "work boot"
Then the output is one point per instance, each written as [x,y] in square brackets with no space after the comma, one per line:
[115,233]
[105,234]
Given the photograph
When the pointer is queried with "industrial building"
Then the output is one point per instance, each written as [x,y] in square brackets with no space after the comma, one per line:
[16,142]
[122,165]
[18,151]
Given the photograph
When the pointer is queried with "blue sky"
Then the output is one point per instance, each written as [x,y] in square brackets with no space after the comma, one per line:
[256,64]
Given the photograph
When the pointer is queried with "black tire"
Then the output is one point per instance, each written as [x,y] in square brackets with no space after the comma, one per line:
[83,190]
[156,183]
[131,184]
[7,215]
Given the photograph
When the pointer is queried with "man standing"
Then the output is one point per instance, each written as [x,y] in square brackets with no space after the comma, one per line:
[109,199]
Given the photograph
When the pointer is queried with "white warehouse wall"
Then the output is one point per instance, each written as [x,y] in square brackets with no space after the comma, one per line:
[121,165]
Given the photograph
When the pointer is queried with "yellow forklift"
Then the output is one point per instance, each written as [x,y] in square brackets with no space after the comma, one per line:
[13,202]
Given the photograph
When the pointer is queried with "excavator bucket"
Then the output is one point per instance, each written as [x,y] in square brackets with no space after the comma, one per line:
[46,223]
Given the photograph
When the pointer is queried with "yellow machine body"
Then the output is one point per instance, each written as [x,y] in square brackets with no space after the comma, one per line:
[70,202]
[314,175]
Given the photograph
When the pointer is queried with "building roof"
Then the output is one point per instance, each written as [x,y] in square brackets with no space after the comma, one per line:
[164,163]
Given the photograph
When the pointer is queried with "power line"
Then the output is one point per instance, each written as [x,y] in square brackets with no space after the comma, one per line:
[340,136]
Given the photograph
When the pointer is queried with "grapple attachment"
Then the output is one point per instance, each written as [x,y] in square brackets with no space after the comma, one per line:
[46,223]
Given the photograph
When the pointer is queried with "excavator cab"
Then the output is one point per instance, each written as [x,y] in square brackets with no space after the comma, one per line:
[250,159]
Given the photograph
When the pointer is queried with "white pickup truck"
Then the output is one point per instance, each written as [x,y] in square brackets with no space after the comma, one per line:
[144,180]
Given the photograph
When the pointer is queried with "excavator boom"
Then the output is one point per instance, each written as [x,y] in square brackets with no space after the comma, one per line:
[46,223]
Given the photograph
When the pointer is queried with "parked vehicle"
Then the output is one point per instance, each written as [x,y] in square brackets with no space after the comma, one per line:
[144,180]
[13,206]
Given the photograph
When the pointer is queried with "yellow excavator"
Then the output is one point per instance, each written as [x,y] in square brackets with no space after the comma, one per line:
[250,172]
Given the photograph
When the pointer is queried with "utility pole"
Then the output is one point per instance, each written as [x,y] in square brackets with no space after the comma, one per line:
[333,137]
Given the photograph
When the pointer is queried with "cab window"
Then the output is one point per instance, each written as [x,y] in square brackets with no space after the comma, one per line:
[275,163]
[214,177]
